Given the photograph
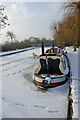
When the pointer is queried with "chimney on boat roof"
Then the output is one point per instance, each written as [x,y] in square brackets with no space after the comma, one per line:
[42,48]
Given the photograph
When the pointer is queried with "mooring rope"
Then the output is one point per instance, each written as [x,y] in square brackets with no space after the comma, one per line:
[73,78]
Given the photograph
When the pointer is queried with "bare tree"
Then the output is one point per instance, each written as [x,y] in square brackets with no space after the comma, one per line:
[3,18]
[11,35]
[71,9]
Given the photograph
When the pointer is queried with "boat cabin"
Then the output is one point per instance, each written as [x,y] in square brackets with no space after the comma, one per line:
[50,64]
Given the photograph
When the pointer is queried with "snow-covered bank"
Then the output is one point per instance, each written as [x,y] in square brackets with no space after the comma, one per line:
[71,49]
[0,89]
[21,98]
[74,66]
[15,51]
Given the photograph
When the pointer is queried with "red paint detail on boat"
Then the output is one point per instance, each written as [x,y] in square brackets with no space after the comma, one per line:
[46,56]
[51,85]
[48,75]
[56,84]
[39,83]
[55,74]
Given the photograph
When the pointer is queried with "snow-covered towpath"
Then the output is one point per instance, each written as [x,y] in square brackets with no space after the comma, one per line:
[75,81]
[21,98]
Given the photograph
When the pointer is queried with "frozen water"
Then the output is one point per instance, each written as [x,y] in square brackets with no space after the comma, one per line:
[22,99]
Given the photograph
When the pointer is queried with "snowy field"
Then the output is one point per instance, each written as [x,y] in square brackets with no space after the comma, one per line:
[22,99]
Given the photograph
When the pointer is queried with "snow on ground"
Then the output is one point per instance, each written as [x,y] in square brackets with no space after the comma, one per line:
[70,49]
[79,83]
[0,89]
[14,51]
[73,57]
[21,98]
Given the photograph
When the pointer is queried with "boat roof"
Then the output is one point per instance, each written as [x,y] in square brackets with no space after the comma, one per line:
[52,54]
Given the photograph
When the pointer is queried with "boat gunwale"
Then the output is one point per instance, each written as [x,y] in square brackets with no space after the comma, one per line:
[51,84]
[55,77]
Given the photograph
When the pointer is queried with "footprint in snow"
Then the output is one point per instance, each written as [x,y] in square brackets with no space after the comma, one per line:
[3,70]
[39,106]
[19,71]
[36,106]
[14,73]
[6,69]
[3,98]
[10,68]
[75,102]
[19,104]
[7,75]
[22,105]
[15,65]
[51,111]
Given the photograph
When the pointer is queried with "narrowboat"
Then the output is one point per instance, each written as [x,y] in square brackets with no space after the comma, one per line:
[53,69]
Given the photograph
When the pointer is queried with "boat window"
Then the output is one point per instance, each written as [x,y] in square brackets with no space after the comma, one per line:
[53,66]
[43,66]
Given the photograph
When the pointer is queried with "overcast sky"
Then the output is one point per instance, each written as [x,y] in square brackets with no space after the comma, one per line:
[31,18]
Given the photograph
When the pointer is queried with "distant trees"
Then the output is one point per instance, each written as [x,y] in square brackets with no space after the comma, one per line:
[37,41]
[66,32]
[32,41]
